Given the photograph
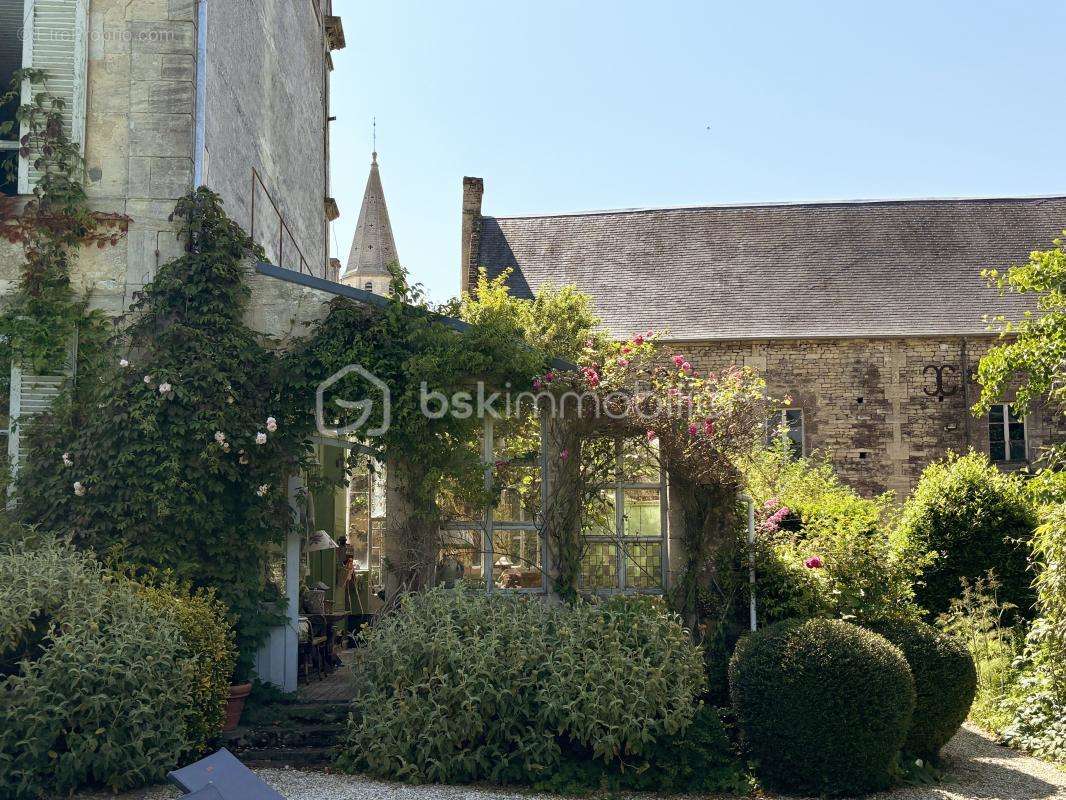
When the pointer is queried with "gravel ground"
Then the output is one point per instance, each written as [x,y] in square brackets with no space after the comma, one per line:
[977,769]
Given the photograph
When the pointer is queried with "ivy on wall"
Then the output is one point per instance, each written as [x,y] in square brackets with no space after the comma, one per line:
[43,313]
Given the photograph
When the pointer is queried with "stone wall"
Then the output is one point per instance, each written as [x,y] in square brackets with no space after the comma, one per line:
[866,405]
[266,112]
[138,141]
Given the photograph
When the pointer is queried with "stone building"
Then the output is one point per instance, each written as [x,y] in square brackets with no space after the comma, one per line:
[165,95]
[373,246]
[871,315]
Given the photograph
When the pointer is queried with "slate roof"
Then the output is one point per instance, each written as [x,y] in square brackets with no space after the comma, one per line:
[840,269]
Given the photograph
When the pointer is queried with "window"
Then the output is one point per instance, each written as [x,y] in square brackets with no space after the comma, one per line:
[10,61]
[501,547]
[786,426]
[53,34]
[368,286]
[1006,434]
[625,534]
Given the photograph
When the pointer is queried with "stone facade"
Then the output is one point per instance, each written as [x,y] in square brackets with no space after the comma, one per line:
[856,311]
[870,405]
[262,118]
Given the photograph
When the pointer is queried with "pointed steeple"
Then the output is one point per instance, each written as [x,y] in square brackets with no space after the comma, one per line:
[373,247]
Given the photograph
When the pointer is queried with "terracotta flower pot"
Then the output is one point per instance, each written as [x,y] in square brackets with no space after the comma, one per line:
[235,705]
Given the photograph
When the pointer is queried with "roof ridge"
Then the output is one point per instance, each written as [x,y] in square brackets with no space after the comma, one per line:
[780,204]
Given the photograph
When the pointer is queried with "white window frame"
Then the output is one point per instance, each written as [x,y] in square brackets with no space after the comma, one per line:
[1006,409]
[485,528]
[620,541]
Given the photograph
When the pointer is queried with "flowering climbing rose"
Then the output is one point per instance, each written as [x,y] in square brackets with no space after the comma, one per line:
[220,437]
[260,438]
[164,387]
[79,488]
[679,360]
[272,424]
[814,562]
[262,490]
[147,379]
[125,362]
[67,460]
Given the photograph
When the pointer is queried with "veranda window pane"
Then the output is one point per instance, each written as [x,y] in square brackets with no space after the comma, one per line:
[520,496]
[462,556]
[599,566]
[599,516]
[517,560]
[642,513]
[1016,435]
[644,565]
[640,461]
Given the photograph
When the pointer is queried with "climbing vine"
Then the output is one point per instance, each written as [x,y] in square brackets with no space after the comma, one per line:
[50,226]
[173,451]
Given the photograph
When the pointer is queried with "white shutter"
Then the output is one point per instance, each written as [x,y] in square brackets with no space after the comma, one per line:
[32,395]
[55,41]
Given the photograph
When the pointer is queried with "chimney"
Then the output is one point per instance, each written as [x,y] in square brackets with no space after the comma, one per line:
[473,189]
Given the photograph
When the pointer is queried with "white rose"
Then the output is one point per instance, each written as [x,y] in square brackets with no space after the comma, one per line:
[124,362]
[260,438]
[79,488]
[272,424]
[67,460]
[220,437]
[147,379]
[164,387]
[262,490]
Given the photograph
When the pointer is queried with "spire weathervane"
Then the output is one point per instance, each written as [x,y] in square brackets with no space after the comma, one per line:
[374,140]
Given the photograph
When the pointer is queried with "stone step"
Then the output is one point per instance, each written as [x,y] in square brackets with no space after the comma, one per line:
[288,735]
[288,757]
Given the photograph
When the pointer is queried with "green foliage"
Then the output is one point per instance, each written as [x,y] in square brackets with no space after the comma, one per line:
[980,622]
[698,760]
[460,686]
[1033,347]
[945,681]
[154,459]
[1039,724]
[42,315]
[97,684]
[209,643]
[805,512]
[823,705]
[973,519]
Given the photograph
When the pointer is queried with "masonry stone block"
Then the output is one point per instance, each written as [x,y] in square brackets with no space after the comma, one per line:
[105,155]
[147,10]
[161,135]
[171,177]
[178,67]
[140,172]
[161,97]
[147,66]
[182,9]
[163,37]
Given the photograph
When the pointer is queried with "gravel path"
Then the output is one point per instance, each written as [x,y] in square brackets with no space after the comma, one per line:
[977,769]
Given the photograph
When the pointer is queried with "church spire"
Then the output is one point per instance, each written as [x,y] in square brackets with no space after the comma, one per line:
[373,248]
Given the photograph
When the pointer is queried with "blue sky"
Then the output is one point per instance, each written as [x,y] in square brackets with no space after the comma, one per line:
[569,106]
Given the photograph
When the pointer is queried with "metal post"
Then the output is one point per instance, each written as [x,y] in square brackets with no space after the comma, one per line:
[751,558]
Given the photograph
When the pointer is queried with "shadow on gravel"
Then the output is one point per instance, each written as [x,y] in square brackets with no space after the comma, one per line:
[979,768]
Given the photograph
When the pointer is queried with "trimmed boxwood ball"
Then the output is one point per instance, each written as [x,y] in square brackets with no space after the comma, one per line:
[945,682]
[823,705]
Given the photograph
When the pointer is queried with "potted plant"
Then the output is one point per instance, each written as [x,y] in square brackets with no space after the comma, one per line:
[238,694]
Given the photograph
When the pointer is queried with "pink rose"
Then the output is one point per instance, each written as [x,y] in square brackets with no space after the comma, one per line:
[536,384]
[652,436]
[679,360]
[638,339]
[814,562]
[686,368]
[565,454]
[708,427]
[693,430]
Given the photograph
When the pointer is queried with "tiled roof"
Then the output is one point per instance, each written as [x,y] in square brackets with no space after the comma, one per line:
[880,268]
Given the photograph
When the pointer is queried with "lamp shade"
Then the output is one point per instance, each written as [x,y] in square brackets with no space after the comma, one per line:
[320,540]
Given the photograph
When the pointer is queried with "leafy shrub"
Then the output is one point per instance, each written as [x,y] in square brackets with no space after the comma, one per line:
[96,684]
[700,759]
[209,643]
[972,518]
[462,686]
[824,549]
[823,705]
[1039,723]
[980,622]
[945,681]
